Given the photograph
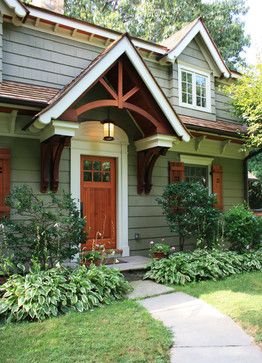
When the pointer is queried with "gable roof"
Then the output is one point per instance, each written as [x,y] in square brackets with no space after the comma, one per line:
[70,93]
[180,40]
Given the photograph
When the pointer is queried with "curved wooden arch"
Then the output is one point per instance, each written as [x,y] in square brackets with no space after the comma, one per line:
[114,103]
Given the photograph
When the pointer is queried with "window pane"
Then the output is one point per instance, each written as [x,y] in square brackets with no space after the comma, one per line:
[198,101]
[184,76]
[203,102]
[87,176]
[97,165]
[189,77]
[184,87]
[106,165]
[97,177]
[196,174]
[190,99]
[87,165]
[106,177]
[184,97]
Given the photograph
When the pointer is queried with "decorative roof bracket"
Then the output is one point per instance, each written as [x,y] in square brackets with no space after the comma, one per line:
[146,160]
[51,151]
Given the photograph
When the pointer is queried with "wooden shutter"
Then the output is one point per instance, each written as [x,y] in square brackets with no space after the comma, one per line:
[4,181]
[176,172]
[217,183]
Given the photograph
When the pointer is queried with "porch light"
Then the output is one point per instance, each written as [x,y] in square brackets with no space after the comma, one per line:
[109,129]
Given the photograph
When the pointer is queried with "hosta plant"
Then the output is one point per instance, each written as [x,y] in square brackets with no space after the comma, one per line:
[45,293]
[182,267]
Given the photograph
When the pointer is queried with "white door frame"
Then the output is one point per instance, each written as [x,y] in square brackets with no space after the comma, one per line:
[89,141]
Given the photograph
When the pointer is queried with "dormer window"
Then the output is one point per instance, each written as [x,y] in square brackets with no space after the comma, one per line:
[194,89]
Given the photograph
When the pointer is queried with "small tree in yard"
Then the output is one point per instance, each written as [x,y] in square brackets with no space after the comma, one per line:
[189,211]
[48,229]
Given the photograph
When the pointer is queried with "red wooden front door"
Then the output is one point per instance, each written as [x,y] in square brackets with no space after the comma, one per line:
[98,198]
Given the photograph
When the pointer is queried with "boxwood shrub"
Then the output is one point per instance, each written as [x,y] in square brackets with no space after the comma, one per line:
[43,294]
[182,267]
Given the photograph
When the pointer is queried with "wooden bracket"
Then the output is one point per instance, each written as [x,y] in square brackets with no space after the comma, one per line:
[198,141]
[51,151]
[146,160]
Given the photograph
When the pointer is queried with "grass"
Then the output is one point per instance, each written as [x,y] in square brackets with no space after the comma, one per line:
[122,332]
[239,296]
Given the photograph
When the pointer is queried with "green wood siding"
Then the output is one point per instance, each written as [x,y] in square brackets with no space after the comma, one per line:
[25,163]
[145,216]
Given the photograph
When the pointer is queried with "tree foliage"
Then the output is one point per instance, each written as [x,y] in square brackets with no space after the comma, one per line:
[189,211]
[47,229]
[246,98]
[156,20]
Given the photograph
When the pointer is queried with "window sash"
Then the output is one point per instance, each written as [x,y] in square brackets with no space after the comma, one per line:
[196,93]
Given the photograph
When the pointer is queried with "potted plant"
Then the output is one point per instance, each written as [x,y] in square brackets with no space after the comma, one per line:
[159,250]
[92,257]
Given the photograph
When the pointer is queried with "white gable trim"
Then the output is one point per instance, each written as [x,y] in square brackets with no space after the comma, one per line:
[18,8]
[123,46]
[199,28]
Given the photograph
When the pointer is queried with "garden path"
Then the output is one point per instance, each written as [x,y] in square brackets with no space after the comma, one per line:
[201,333]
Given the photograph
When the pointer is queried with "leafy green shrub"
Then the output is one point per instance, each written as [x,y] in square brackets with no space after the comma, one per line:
[188,208]
[48,228]
[45,293]
[243,229]
[182,267]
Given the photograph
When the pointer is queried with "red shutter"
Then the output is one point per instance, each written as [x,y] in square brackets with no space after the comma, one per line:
[4,180]
[176,172]
[217,177]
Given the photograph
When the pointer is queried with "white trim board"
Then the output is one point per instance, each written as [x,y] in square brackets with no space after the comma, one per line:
[123,46]
[16,7]
[89,141]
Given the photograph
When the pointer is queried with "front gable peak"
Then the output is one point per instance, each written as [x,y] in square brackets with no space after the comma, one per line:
[94,73]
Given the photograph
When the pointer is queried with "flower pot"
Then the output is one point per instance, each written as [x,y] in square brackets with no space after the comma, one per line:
[159,255]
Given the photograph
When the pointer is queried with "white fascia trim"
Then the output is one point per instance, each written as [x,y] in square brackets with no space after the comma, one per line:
[105,33]
[16,7]
[154,141]
[63,128]
[124,46]
[199,28]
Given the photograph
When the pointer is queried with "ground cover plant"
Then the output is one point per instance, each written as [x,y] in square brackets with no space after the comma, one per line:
[182,267]
[41,294]
[238,296]
[121,332]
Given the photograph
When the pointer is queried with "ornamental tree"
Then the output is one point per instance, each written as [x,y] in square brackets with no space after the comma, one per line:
[189,211]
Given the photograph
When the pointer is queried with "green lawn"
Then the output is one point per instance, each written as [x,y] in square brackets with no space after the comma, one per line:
[239,297]
[122,332]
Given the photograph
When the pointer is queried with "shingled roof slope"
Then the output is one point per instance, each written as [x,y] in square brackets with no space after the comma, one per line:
[25,92]
[173,41]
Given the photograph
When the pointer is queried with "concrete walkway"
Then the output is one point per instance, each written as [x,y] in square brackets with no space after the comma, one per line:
[201,333]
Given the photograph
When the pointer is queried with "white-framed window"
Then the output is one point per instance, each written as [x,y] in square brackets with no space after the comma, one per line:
[194,88]
[198,168]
